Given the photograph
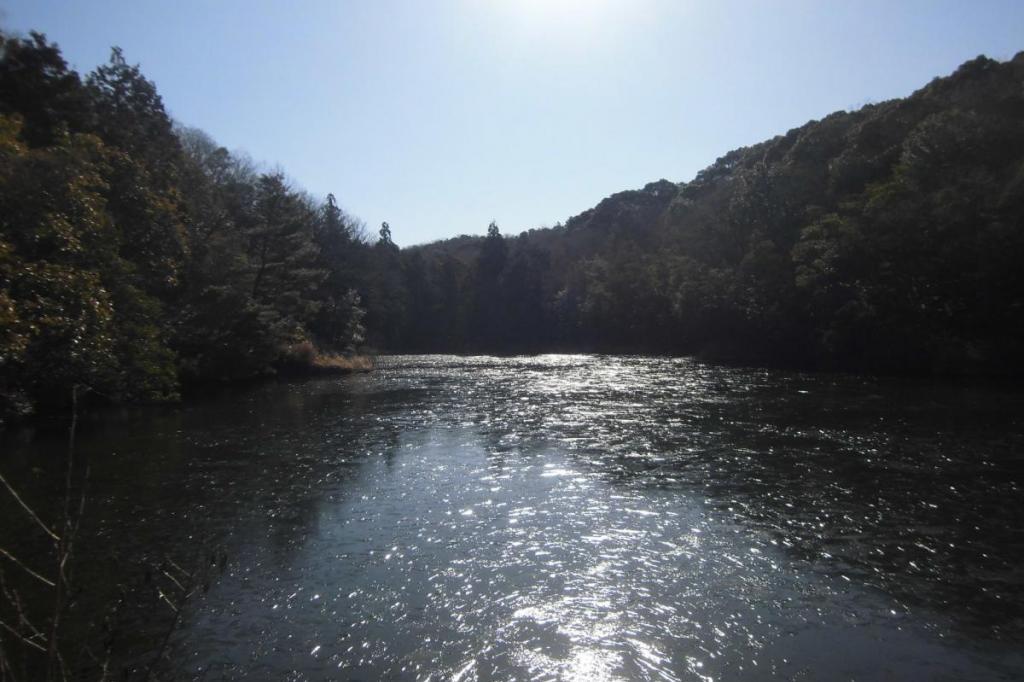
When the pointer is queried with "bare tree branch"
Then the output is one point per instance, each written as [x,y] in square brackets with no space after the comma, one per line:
[13,559]
[28,509]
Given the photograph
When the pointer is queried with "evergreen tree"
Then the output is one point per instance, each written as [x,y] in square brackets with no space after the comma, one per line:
[36,84]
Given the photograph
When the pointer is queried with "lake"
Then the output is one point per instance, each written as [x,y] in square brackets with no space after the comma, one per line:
[558,517]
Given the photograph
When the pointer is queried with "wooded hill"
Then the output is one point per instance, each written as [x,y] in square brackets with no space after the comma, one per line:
[888,239]
[138,257]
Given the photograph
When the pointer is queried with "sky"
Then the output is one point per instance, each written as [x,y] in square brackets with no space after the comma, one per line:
[439,116]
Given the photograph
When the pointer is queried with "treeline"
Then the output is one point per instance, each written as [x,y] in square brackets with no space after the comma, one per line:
[889,239]
[137,257]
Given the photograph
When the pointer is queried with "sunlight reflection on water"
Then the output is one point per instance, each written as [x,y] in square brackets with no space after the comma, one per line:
[532,518]
[580,517]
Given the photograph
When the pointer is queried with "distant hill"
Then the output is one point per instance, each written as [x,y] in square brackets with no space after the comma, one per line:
[884,239]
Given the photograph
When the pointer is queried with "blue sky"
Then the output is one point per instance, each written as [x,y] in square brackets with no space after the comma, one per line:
[439,116]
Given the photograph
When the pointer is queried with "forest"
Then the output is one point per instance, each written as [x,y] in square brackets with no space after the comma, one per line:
[141,260]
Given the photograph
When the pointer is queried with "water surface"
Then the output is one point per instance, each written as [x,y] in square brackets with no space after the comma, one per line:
[572,517]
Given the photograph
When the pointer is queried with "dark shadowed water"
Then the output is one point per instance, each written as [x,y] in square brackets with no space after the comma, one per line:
[572,517]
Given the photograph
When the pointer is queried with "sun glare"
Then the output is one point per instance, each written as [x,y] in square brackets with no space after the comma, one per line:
[558,11]
[567,21]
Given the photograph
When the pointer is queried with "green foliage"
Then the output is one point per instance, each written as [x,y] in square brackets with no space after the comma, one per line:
[886,239]
[136,258]
[53,240]
[36,83]
[129,115]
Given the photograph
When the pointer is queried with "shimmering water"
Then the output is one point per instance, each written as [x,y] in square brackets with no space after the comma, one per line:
[574,517]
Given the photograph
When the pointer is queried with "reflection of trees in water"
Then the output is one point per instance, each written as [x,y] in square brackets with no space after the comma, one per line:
[233,473]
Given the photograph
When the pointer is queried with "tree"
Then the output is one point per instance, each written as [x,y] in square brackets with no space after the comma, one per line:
[129,114]
[339,322]
[282,253]
[36,84]
[385,293]
[74,318]
[385,236]
[489,324]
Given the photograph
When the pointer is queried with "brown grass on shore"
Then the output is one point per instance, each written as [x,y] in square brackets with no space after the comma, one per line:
[353,363]
[305,358]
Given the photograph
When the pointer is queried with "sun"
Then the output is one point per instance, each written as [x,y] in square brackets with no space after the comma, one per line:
[563,20]
[559,11]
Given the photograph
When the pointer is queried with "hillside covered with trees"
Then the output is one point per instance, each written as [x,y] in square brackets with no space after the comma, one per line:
[138,257]
[887,239]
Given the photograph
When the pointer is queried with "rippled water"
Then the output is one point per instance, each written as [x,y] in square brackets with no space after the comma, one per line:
[576,517]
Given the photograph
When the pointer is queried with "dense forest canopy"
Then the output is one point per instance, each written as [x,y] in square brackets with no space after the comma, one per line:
[882,240]
[138,257]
